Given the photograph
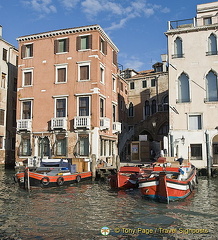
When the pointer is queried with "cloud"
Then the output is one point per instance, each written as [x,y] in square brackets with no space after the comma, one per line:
[133,62]
[69,4]
[41,6]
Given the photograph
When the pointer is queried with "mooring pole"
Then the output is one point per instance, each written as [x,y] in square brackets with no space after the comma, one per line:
[208,154]
[93,167]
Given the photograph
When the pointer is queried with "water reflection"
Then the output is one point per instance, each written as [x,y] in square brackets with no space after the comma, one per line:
[81,210]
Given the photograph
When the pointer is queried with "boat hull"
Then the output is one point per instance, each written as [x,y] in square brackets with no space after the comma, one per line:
[33,179]
[164,189]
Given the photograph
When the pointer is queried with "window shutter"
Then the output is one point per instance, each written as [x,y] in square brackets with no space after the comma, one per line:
[62,75]
[84,72]
[27,78]
[23,48]
[105,47]
[55,46]
[114,58]
[78,43]
[90,42]
[67,45]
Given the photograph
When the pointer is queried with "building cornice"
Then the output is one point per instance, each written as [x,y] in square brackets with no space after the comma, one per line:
[63,32]
[191,29]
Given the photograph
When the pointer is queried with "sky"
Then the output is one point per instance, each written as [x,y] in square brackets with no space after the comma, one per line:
[136,27]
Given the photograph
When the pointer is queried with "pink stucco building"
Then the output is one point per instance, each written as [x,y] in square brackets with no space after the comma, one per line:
[68,95]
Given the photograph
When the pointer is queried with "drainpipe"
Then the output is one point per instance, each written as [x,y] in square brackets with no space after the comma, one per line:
[208,154]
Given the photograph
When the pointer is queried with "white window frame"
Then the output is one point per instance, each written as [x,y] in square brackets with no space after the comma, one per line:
[55,106]
[80,64]
[31,110]
[27,70]
[80,96]
[59,66]
[102,73]
[201,121]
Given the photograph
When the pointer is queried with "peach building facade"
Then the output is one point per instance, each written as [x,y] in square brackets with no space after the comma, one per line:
[67,95]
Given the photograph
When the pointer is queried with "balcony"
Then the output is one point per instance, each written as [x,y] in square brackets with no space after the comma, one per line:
[82,122]
[116,127]
[104,123]
[24,125]
[59,123]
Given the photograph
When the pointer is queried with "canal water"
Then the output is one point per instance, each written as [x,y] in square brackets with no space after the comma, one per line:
[82,210]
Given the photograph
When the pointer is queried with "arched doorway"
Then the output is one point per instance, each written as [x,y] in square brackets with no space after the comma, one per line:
[215,149]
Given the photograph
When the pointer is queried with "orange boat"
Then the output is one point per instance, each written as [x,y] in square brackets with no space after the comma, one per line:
[51,173]
[128,176]
[169,181]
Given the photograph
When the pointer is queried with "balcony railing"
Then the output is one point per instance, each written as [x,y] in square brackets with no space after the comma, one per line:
[104,123]
[24,125]
[82,122]
[59,123]
[116,127]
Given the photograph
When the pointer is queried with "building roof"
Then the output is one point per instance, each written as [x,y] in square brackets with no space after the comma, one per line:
[62,32]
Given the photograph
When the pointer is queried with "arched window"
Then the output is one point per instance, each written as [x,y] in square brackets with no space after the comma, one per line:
[211,86]
[153,107]
[178,52]
[43,146]
[131,109]
[183,88]
[212,45]
[147,108]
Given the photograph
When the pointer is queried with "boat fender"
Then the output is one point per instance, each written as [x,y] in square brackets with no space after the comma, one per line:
[60,181]
[78,178]
[45,181]
[191,187]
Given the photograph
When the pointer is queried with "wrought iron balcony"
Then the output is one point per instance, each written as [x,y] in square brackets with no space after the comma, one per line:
[59,123]
[116,127]
[82,122]
[104,123]
[24,125]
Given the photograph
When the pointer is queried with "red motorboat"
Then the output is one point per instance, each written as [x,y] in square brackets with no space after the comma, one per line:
[127,177]
[169,181]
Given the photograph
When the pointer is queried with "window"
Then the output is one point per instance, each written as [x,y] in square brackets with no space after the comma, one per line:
[114,109]
[83,145]
[84,72]
[147,108]
[2,117]
[153,82]
[43,147]
[195,122]
[132,85]
[1,142]
[164,129]
[26,110]
[61,74]
[144,83]
[61,45]
[178,52]
[115,58]
[211,87]
[25,146]
[102,107]
[130,110]
[27,77]
[196,151]
[84,42]
[84,106]
[27,51]
[102,74]
[153,107]
[183,88]
[207,21]
[61,107]
[212,45]
[106,147]
[4,55]
[166,103]
[103,46]
[114,84]
[3,80]
[61,145]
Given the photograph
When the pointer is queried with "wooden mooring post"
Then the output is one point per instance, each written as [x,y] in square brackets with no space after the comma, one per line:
[93,166]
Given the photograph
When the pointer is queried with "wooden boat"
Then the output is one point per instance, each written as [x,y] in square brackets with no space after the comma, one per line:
[51,173]
[127,177]
[169,181]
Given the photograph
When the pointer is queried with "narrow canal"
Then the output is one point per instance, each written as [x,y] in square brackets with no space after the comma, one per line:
[80,211]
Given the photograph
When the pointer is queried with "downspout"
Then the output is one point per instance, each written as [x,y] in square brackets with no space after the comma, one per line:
[208,154]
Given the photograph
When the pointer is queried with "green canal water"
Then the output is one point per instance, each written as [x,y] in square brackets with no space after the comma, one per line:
[81,210]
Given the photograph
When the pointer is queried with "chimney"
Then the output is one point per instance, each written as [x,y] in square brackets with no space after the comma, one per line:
[0,31]
[164,61]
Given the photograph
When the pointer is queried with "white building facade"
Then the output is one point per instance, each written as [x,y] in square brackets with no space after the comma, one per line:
[193,94]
